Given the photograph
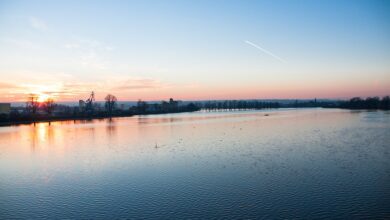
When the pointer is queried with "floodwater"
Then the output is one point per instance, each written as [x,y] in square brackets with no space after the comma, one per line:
[306,163]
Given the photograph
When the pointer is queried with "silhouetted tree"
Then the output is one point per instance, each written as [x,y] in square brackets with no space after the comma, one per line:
[356,103]
[173,105]
[110,103]
[192,107]
[385,102]
[372,103]
[32,103]
[49,106]
[141,106]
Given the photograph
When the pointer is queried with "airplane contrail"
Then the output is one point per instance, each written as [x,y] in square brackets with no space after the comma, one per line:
[265,51]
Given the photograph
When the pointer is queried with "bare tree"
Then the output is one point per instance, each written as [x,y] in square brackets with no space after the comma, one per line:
[110,103]
[49,106]
[32,103]
[141,106]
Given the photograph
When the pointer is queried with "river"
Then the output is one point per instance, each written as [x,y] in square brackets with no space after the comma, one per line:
[271,164]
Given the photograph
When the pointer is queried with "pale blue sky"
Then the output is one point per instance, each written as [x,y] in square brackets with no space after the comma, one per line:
[195,49]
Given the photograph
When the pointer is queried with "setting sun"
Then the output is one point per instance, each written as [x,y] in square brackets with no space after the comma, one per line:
[43,97]
[43,92]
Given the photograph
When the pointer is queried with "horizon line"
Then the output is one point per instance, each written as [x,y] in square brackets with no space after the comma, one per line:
[202,100]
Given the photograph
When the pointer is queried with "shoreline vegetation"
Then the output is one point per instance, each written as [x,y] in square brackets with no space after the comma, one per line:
[48,111]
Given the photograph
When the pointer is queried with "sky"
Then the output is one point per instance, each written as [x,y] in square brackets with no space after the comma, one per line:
[194,50]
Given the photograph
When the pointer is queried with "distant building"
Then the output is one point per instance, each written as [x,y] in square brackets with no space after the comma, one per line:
[5,108]
[81,105]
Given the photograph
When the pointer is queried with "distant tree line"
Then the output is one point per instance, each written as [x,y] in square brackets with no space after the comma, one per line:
[49,110]
[311,104]
[354,103]
[368,103]
[170,106]
[238,105]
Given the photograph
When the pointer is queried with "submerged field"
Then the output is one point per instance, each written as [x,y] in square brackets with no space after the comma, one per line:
[305,163]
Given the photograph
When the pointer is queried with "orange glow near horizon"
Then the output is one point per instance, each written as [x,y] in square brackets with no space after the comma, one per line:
[286,90]
[43,97]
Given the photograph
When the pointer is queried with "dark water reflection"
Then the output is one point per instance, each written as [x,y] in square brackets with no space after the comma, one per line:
[310,163]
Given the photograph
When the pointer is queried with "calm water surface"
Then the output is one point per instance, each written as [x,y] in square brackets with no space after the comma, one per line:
[311,163]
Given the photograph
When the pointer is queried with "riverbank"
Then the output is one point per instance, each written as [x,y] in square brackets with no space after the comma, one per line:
[42,118]
[54,119]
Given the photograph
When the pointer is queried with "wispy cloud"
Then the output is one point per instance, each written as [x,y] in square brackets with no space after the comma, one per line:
[72,46]
[7,86]
[24,44]
[84,44]
[37,23]
[90,53]
[92,60]
[140,83]
[265,51]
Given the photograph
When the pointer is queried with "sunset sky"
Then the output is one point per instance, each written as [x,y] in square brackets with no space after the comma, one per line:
[194,50]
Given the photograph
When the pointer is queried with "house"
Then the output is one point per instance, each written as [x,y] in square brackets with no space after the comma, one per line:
[5,108]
